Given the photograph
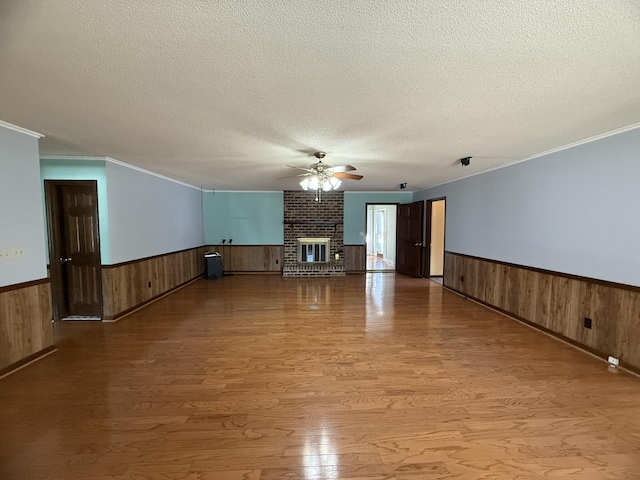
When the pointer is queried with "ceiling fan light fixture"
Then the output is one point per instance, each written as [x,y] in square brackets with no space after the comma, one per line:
[320,177]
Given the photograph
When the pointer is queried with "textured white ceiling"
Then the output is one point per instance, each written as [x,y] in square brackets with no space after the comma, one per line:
[222,94]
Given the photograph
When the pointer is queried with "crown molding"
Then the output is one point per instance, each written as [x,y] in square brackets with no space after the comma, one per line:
[567,146]
[116,162]
[79,158]
[368,192]
[215,190]
[148,172]
[16,128]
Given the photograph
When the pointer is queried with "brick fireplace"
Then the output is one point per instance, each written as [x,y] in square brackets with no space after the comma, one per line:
[313,223]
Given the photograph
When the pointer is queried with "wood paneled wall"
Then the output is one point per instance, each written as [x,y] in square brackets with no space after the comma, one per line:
[129,285]
[25,322]
[269,258]
[555,302]
[355,258]
[250,258]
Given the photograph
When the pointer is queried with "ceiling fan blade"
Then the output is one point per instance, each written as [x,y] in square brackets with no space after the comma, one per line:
[349,176]
[343,168]
[300,168]
[294,176]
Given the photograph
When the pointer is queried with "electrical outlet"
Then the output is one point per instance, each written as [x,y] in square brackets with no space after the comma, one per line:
[149,284]
[461,278]
[587,323]
[613,361]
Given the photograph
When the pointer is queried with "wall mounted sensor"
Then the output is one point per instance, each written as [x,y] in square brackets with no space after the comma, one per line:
[465,161]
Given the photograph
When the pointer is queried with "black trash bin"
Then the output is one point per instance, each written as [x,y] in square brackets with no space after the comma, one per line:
[213,264]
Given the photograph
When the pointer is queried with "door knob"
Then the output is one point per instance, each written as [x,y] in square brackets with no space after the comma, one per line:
[418,244]
[65,260]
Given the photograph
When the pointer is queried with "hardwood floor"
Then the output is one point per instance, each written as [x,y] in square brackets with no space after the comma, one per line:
[377,263]
[390,377]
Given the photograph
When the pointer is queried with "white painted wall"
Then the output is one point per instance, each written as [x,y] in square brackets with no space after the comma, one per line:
[575,211]
[149,215]
[436,266]
[21,210]
[391,217]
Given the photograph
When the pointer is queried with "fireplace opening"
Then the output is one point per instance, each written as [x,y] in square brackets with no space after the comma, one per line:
[313,250]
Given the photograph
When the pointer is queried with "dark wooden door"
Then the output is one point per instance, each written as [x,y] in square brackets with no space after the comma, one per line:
[74,248]
[409,229]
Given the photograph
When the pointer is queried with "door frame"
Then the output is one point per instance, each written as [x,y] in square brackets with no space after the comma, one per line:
[427,235]
[55,242]
[366,229]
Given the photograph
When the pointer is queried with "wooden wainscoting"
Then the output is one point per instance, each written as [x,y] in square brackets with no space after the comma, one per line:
[251,258]
[129,285]
[555,302]
[26,330]
[355,258]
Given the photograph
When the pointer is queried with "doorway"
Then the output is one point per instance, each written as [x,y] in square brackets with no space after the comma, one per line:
[435,235]
[381,237]
[74,249]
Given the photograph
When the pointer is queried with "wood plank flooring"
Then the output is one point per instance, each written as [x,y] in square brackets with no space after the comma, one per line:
[390,377]
[377,263]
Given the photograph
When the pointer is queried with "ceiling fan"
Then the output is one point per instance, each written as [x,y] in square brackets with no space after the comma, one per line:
[322,177]
[323,171]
